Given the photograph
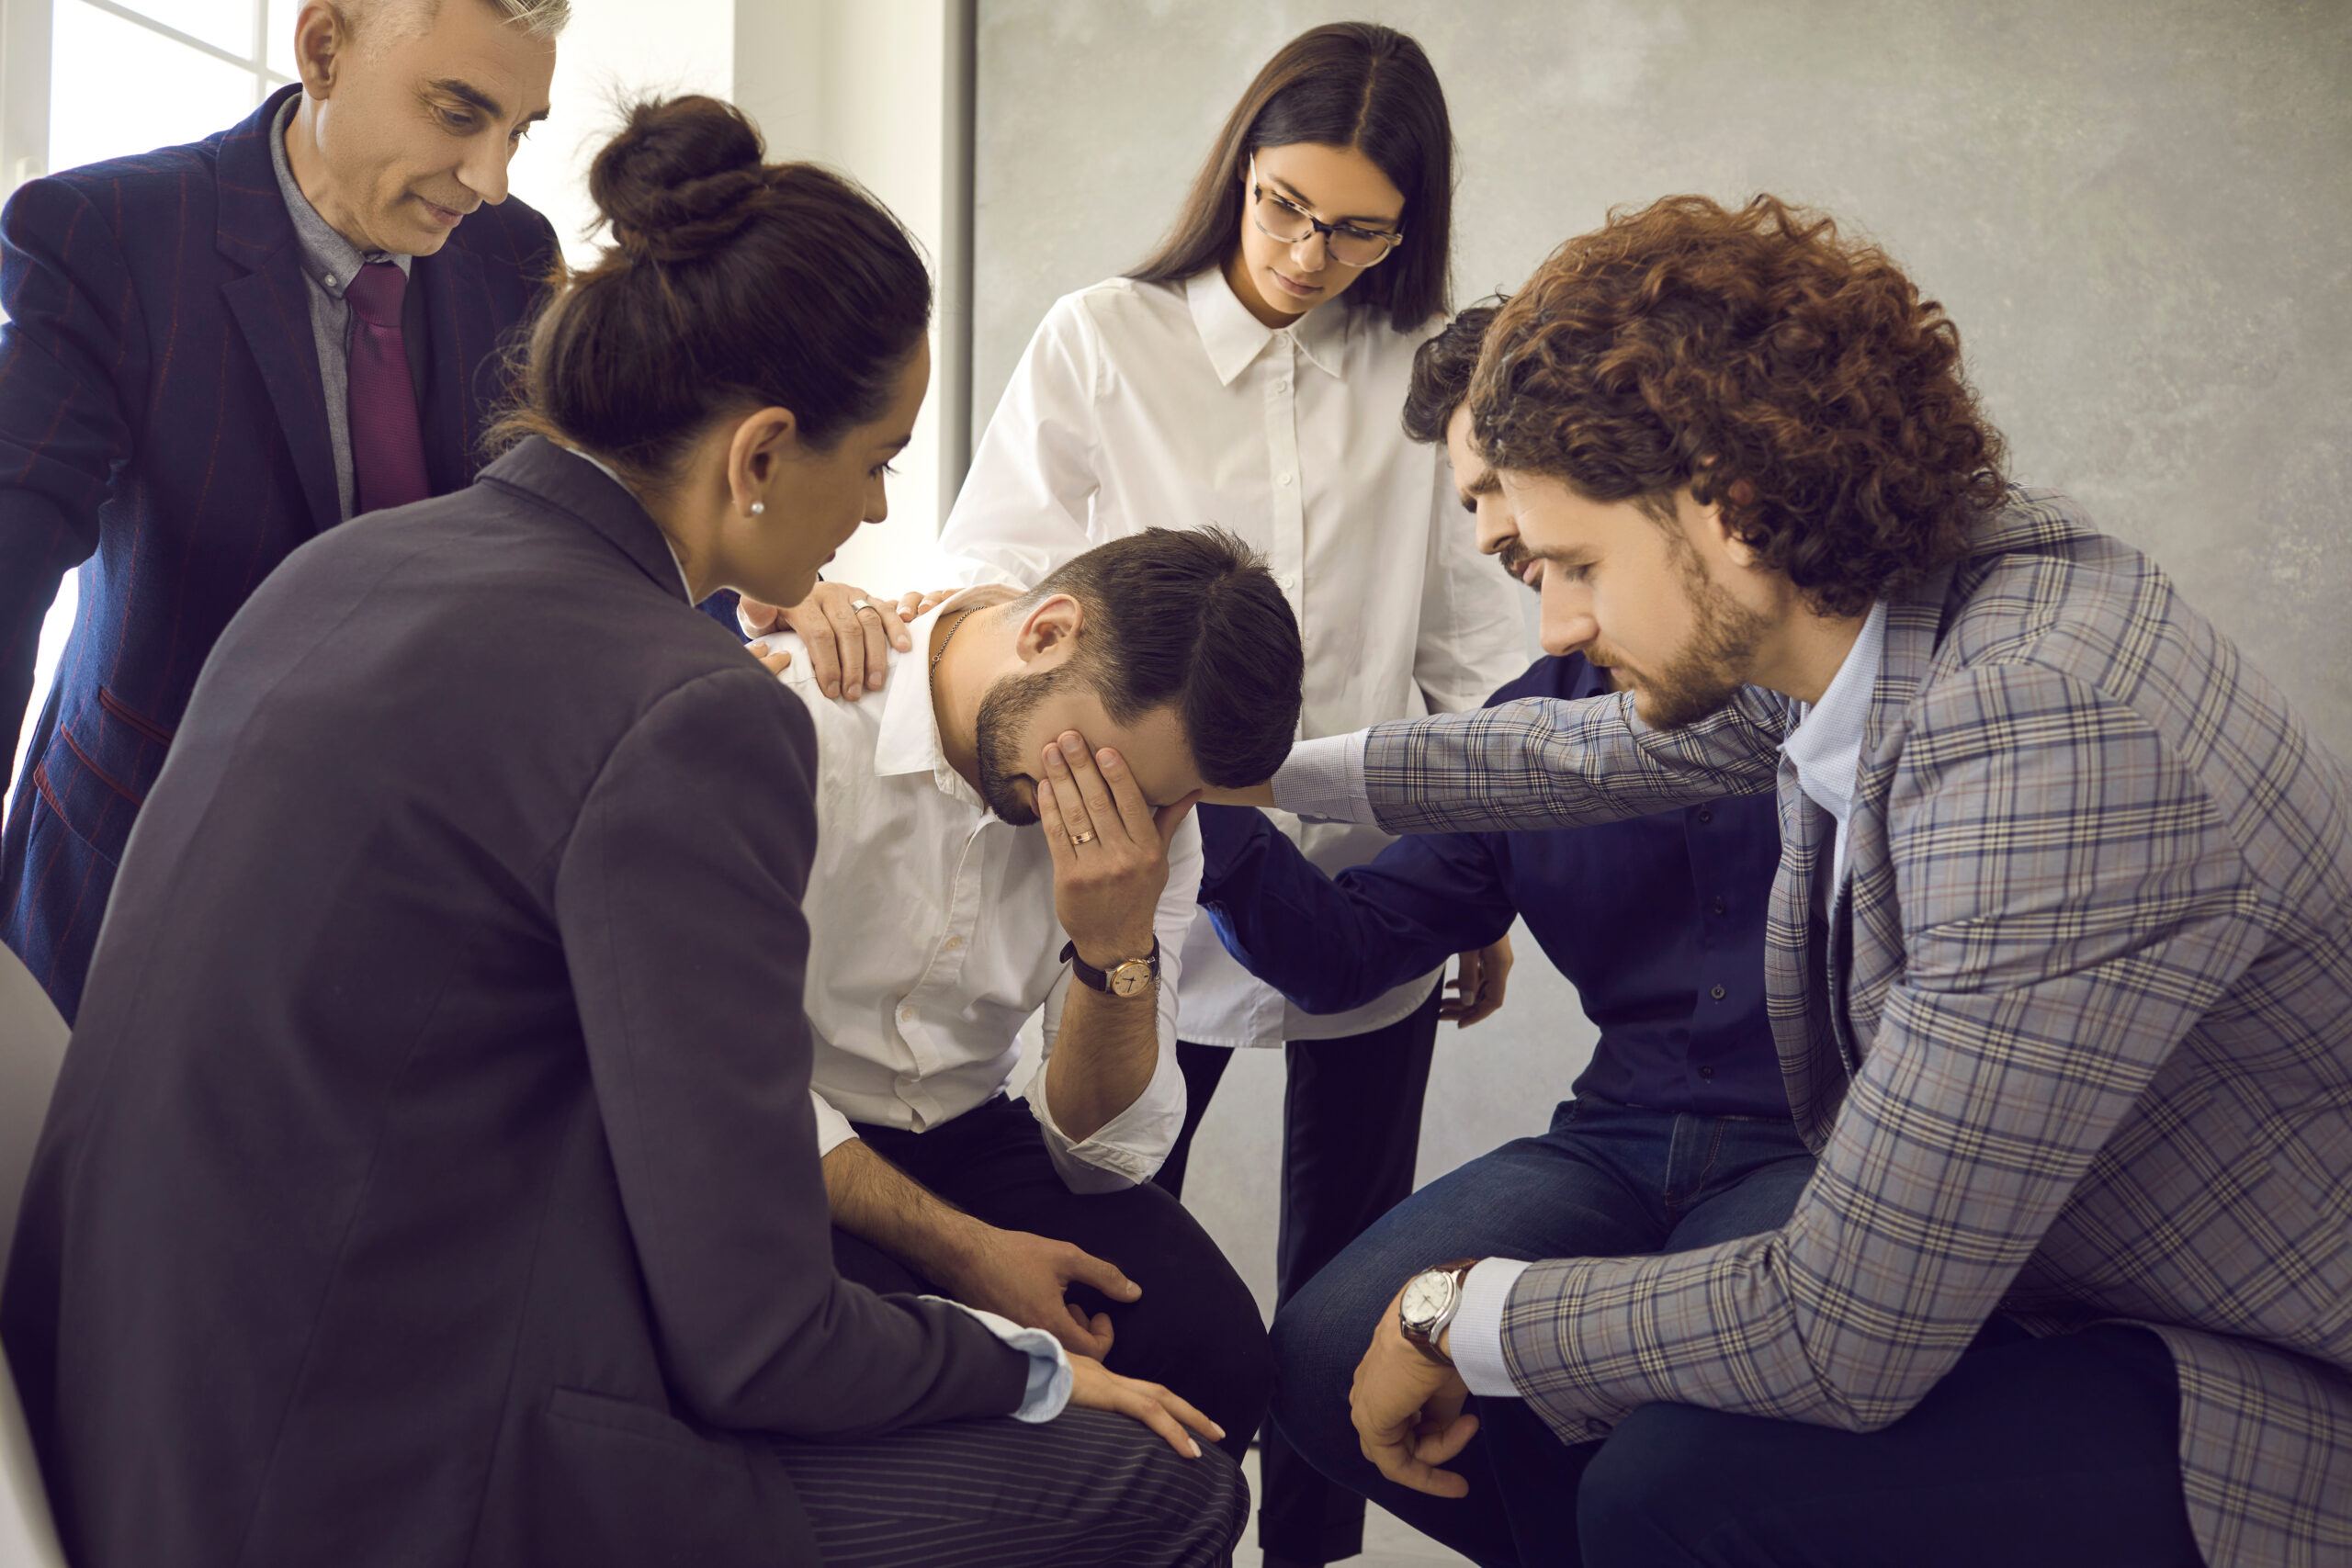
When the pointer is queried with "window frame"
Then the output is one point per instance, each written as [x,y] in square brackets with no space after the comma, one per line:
[27,62]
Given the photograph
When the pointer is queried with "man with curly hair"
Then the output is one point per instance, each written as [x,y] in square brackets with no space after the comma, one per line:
[2060,964]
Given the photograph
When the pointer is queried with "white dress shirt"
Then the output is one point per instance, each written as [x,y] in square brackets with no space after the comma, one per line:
[931,935]
[1327,779]
[1143,404]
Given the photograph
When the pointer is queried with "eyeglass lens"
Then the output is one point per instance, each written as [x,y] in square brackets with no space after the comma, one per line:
[1350,246]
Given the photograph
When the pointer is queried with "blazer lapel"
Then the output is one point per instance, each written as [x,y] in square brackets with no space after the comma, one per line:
[462,332]
[1870,912]
[271,304]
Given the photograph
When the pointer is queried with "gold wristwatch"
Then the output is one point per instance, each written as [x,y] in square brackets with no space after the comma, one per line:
[1425,1308]
[1132,978]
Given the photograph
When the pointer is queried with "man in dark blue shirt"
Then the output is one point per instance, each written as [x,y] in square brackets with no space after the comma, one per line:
[1678,1136]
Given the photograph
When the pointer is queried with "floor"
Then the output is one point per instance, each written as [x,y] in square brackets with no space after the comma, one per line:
[1389,1542]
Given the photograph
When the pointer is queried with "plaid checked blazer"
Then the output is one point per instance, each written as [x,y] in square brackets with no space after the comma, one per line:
[162,417]
[2073,1041]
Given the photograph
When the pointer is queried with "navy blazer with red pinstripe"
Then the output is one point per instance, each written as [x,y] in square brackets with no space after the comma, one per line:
[162,419]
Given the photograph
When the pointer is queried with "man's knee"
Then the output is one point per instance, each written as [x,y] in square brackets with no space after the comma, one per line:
[1319,1336]
[1196,1330]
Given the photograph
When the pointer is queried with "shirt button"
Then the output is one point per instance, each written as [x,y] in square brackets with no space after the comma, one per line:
[954,943]
[1282,478]
[1716,992]
[907,1015]
[1283,385]
[1718,905]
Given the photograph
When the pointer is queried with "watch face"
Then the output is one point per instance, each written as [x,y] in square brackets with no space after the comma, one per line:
[1425,1297]
[1131,978]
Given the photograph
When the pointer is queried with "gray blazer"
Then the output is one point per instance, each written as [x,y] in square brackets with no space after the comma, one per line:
[2074,1041]
[431,1177]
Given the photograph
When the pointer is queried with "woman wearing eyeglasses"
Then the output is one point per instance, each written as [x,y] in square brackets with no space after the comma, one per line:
[1251,374]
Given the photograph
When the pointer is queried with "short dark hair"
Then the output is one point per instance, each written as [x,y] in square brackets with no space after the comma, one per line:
[1349,84]
[1687,344]
[1190,618]
[730,283]
[1441,368]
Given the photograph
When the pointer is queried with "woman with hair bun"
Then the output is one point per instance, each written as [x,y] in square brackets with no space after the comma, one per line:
[432,1178]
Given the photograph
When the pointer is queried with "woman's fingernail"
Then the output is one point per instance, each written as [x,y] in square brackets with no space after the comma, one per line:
[1196,1447]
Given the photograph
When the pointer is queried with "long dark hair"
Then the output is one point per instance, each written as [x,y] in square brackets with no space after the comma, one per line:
[730,283]
[1354,84]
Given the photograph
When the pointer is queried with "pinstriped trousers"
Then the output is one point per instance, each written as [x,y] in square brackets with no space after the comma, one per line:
[1087,1490]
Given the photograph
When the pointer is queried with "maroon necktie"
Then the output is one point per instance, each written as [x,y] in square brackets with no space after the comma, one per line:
[387,448]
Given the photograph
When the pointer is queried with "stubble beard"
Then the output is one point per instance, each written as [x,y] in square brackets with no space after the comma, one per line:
[996,740]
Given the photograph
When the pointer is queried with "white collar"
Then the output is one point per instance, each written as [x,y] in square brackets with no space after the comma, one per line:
[907,741]
[1235,338]
[1826,745]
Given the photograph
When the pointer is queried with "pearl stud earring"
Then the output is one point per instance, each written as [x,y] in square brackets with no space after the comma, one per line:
[759,508]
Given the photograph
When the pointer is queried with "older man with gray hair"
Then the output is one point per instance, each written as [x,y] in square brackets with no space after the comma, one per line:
[214,352]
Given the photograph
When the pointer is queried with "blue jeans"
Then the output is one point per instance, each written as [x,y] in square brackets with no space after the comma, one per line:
[1606,1181]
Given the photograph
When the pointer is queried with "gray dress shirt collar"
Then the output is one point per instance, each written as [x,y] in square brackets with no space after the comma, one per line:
[329,262]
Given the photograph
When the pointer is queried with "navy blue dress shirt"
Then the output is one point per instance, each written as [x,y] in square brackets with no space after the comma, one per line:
[1658,921]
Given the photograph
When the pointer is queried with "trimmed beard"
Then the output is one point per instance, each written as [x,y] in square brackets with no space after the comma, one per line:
[1004,710]
[1707,673]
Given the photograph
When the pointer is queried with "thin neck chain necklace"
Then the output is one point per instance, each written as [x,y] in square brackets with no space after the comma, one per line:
[941,651]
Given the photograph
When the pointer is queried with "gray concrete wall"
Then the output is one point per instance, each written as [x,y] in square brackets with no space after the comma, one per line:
[2136,210]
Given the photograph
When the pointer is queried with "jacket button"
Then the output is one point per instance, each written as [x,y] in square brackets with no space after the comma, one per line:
[1718,905]
[1706,814]
[1717,993]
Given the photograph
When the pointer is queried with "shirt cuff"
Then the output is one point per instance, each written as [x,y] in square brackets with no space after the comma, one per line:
[1323,780]
[833,1128]
[1476,1339]
[1050,1378]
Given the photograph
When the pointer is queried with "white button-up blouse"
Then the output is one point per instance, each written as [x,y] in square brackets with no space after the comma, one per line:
[1143,404]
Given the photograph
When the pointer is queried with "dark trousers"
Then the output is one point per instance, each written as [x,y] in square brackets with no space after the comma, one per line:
[1352,1132]
[1195,1329]
[1086,1489]
[2030,1453]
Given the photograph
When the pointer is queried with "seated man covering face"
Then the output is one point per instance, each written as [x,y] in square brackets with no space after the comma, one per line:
[1005,828]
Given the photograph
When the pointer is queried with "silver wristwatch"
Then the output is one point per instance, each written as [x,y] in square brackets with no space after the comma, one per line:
[1426,1308]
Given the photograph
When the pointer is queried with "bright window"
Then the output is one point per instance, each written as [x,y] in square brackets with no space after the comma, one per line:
[124,78]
